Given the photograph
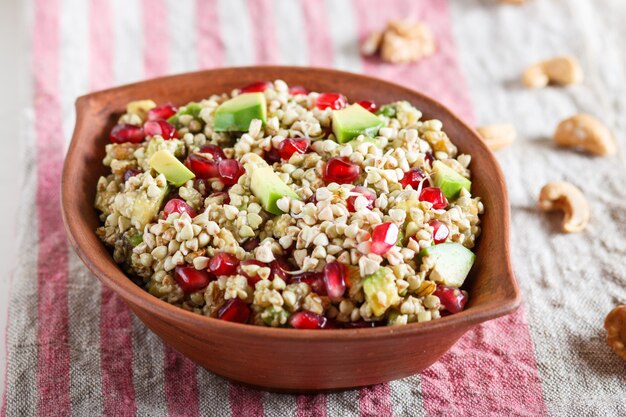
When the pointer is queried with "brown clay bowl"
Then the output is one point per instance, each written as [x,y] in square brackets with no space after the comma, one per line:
[277,358]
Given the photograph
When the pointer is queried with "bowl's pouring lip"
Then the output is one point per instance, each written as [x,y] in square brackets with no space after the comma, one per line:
[79,238]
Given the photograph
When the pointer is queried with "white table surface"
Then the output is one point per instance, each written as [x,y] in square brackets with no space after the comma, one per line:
[12,96]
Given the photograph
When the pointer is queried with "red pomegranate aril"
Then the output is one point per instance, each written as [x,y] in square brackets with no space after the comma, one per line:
[452,299]
[189,279]
[176,205]
[127,133]
[297,89]
[204,168]
[281,267]
[290,146]
[368,105]
[131,172]
[256,87]
[229,171]
[252,279]
[430,158]
[334,280]
[414,177]
[384,236]
[365,192]
[223,263]
[159,127]
[341,170]
[315,280]
[162,112]
[235,310]
[272,156]
[440,231]
[307,320]
[435,196]
[334,101]
[216,151]
[251,244]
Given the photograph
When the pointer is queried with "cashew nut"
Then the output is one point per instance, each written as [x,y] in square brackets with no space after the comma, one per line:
[401,42]
[497,136]
[513,1]
[569,199]
[564,70]
[585,132]
[372,43]
[615,325]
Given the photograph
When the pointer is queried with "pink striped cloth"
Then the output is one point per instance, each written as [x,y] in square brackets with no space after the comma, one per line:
[73,347]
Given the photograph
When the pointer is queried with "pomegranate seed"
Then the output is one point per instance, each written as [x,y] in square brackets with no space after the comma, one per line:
[384,236]
[430,158]
[272,156]
[334,274]
[176,205]
[162,112]
[281,267]
[204,168]
[235,310]
[307,320]
[256,87]
[335,101]
[159,127]
[216,151]
[341,170]
[127,133]
[189,279]
[251,244]
[223,263]
[229,171]
[365,192]
[368,105]
[440,232]
[131,172]
[452,299]
[315,280]
[414,177]
[297,89]
[434,196]
[252,279]
[290,146]
[223,195]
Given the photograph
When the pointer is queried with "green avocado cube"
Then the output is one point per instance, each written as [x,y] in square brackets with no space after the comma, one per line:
[380,290]
[145,209]
[267,186]
[191,109]
[450,181]
[453,262]
[236,114]
[167,164]
[353,121]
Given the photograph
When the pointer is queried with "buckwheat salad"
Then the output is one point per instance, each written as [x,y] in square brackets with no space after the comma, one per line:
[277,206]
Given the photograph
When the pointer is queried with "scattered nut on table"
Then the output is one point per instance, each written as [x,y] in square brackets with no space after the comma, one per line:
[615,325]
[513,1]
[401,42]
[568,198]
[563,70]
[587,133]
[497,136]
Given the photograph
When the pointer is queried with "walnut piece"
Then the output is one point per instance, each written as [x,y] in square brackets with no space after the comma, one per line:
[615,325]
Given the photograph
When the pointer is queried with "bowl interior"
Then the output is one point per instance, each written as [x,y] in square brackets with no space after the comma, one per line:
[492,287]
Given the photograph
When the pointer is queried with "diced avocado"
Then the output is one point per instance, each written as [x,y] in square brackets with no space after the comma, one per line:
[380,290]
[134,240]
[146,208]
[400,240]
[236,114]
[140,108]
[453,262]
[449,180]
[268,187]
[191,109]
[353,121]
[378,141]
[167,164]
[387,110]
